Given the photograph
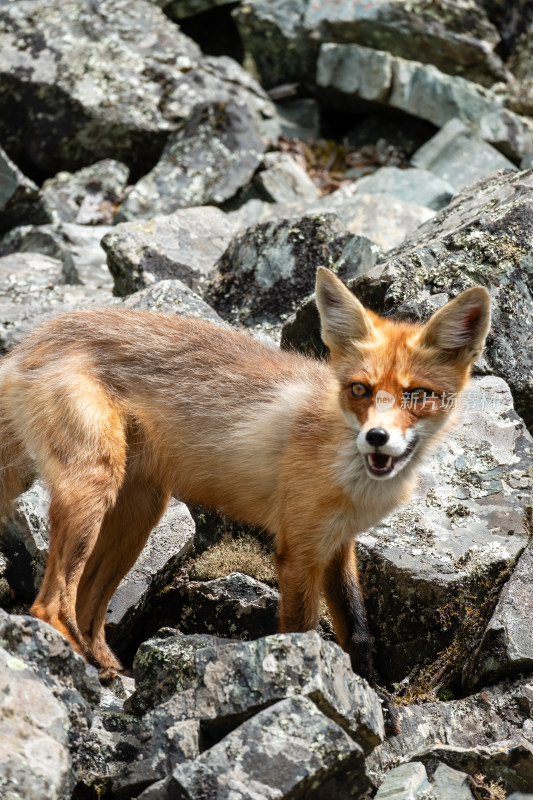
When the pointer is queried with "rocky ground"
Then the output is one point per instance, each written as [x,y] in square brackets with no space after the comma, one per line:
[204,157]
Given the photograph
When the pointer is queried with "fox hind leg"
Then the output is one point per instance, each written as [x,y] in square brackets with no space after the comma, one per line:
[125,529]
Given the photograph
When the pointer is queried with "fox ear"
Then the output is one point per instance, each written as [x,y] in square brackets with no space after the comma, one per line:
[342,317]
[461,326]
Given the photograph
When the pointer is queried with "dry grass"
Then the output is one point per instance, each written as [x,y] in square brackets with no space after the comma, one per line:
[485,789]
[244,554]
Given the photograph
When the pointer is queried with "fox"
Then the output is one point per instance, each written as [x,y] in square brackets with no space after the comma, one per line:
[119,410]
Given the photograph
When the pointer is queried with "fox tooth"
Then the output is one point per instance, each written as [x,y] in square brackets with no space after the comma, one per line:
[389,462]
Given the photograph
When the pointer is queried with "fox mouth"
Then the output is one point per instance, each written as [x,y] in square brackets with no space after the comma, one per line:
[379,465]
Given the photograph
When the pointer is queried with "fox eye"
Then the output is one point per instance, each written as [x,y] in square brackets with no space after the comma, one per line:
[420,394]
[360,390]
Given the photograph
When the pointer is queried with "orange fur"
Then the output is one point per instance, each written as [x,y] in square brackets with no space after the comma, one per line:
[117,410]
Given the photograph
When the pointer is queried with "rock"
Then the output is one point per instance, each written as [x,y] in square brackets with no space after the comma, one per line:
[68,678]
[166,664]
[24,541]
[112,744]
[234,606]
[172,538]
[266,270]
[171,297]
[506,762]
[283,39]
[485,236]
[32,289]
[167,247]
[418,186]
[33,745]
[76,246]
[299,119]
[302,329]
[106,80]
[507,645]
[264,671]
[449,782]
[21,202]
[284,180]
[459,156]
[406,782]
[89,196]
[290,749]
[433,562]
[207,161]
[420,90]
[384,219]
[485,720]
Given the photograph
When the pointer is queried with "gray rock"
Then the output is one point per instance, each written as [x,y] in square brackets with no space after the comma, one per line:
[288,750]
[89,196]
[419,186]
[507,644]
[466,522]
[167,247]
[68,678]
[171,538]
[266,270]
[423,91]
[299,119]
[406,782]
[284,180]
[384,219]
[108,79]
[264,671]
[283,38]
[24,541]
[495,715]
[485,236]
[207,161]
[302,329]
[458,156]
[76,246]
[507,762]
[32,289]
[21,202]
[34,757]
[448,782]
[234,606]
[166,664]
[171,297]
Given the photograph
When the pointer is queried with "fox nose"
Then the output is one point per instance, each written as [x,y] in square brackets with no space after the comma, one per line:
[377,437]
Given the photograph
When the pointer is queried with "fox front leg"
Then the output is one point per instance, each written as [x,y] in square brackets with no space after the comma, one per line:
[347,607]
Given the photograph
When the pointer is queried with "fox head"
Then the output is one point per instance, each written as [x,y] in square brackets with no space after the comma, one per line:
[398,380]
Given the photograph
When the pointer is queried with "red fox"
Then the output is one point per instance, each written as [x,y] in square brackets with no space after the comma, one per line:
[118,410]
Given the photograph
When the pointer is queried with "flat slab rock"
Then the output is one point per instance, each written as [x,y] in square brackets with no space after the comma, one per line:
[170,297]
[495,714]
[467,520]
[168,247]
[350,75]
[507,644]
[288,750]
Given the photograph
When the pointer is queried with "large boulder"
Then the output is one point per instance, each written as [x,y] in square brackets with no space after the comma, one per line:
[166,248]
[288,750]
[206,162]
[284,38]
[421,90]
[107,79]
